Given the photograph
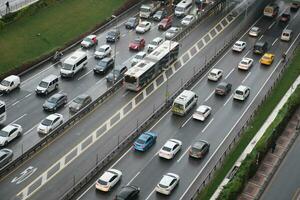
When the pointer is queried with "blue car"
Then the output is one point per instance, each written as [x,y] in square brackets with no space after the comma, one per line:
[145,141]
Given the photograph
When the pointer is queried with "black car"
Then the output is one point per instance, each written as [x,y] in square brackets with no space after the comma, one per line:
[128,192]
[260,47]
[132,23]
[116,74]
[199,149]
[223,88]
[159,15]
[285,17]
[113,35]
[5,157]
[104,65]
[295,6]
[80,102]
[55,101]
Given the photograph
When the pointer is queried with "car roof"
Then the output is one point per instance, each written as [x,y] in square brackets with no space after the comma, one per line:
[104,46]
[215,70]
[52,116]
[255,28]
[141,53]
[107,175]
[11,78]
[170,144]
[8,128]
[242,88]
[83,96]
[144,136]
[145,22]
[223,84]
[91,36]
[202,108]
[239,42]
[157,39]
[49,78]
[199,144]
[126,190]
[106,59]
[58,95]
[189,16]
[166,180]
[268,54]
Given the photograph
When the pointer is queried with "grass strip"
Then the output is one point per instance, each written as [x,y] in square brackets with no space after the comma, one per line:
[289,76]
[49,28]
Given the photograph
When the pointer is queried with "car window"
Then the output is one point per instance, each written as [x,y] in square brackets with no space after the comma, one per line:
[2,157]
[12,131]
[113,178]
[175,146]
[55,120]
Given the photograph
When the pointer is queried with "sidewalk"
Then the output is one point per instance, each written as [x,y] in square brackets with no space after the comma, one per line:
[271,161]
[14,5]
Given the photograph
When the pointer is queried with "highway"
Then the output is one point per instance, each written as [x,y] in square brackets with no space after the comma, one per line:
[146,169]
[24,107]
[60,147]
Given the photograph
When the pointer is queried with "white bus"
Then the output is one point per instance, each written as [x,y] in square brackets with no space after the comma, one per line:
[183,8]
[2,112]
[148,68]
[184,102]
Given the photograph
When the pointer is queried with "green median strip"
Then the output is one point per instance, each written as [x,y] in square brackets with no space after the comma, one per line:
[289,76]
[49,25]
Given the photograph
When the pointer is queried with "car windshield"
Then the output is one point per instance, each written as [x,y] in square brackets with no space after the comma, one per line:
[179,9]
[239,92]
[130,79]
[142,25]
[238,44]
[52,100]
[178,106]
[285,15]
[173,30]
[46,122]
[101,182]
[88,40]
[43,84]
[166,148]
[154,42]
[3,133]
[195,149]
[67,66]
[244,62]
[213,74]
[79,100]
[5,83]
[284,34]
[139,141]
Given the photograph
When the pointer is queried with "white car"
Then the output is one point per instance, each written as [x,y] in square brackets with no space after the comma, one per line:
[202,112]
[108,180]
[167,183]
[89,41]
[170,148]
[254,31]
[172,32]
[50,123]
[143,27]
[138,57]
[245,63]
[10,132]
[215,74]
[239,46]
[241,93]
[154,44]
[187,20]
[103,51]
[10,83]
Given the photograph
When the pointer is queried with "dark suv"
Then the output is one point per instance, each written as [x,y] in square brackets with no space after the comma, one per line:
[116,74]
[128,192]
[285,17]
[104,65]
[223,88]
[113,35]
[55,101]
[132,23]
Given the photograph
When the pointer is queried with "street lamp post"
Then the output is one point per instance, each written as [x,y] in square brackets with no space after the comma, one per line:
[115,50]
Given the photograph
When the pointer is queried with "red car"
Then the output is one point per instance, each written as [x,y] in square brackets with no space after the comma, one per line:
[137,44]
[165,23]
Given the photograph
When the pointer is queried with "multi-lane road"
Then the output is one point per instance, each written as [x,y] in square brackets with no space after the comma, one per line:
[62,163]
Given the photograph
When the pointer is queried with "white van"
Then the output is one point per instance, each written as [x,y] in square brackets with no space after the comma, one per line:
[47,85]
[286,35]
[183,8]
[73,64]
[241,93]
[184,102]
[10,83]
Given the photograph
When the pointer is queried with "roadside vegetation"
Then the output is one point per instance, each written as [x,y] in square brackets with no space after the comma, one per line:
[247,169]
[48,25]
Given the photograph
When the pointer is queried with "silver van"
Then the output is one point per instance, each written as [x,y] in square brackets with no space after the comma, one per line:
[47,85]
[286,35]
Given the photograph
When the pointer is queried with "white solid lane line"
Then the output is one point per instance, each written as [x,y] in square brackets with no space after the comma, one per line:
[207,98]
[179,159]
[246,77]
[18,119]
[271,25]
[229,73]
[207,125]
[150,194]
[30,129]
[133,178]
[85,74]
[228,100]
[274,41]
[186,122]
[260,37]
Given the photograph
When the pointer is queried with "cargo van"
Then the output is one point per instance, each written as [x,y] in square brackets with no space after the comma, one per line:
[10,83]
[260,47]
[47,85]
[183,8]
[184,102]
[77,61]
[286,35]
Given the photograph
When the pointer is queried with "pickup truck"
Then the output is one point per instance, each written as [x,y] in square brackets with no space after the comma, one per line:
[148,10]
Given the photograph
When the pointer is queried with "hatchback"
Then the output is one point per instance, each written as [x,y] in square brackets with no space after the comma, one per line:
[9,133]
[215,74]
[128,192]
[223,88]
[50,123]
[199,149]
[202,112]
[108,180]
[170,148]
[167,183]
[55,101]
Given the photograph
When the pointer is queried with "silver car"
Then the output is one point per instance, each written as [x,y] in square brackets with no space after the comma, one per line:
[79,102]
[5,157]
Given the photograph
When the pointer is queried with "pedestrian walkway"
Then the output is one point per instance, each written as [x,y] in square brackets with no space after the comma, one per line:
[272,160]
[13,5]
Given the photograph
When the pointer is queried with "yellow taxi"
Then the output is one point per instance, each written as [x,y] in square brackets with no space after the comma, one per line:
[267,59]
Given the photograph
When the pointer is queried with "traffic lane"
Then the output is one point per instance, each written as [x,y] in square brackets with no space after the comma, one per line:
[284,184]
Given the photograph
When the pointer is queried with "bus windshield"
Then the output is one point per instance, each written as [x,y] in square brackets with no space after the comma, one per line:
[178,106]
[130,79]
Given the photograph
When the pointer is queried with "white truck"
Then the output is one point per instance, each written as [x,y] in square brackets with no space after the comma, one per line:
[148,10]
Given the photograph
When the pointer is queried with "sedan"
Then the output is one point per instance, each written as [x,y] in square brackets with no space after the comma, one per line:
[132,23]
[5,157]
[199,149]
[172,32]
[104,65]
[108,180]
[154,44]
[202,112]
[138,57]
[159,15]
[113,35]
[267,59]
[9,133]
[215,74]
[128,192]
[223,88]
[254,31]
[170,148]
[89,41]
[137,44]
[103,51]
[245,63]
[145,141]
[79,102]
[55,101]
[239,46]
[116,74]
[167,183]
[50,123]
[143,27]
[187,20]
